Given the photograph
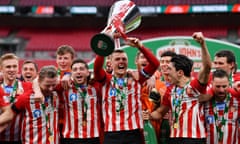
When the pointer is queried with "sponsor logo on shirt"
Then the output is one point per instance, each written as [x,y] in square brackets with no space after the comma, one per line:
[210,119]
[36,113]
[73,97]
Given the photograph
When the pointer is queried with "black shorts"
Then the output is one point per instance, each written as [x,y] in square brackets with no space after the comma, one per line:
[80,141]
[187,141]
[10,142]
[123,137]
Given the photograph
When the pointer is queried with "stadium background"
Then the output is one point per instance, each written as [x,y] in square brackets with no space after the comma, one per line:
[33,29]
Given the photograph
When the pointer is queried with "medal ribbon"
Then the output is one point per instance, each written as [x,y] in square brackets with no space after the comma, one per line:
[14,91]
[177,100]
[223,120]
[230,80]
[59,72]
[47,117]
[120,90]
[83,93]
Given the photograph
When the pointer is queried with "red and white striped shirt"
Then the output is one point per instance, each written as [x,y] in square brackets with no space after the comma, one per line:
[74,125]
[190,121]
[130,117]
[12,132]
[230,129]
[35,125]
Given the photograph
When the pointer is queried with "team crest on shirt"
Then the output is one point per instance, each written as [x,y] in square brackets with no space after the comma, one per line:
[37,113]
[210,119]
[112,92]
[72,97]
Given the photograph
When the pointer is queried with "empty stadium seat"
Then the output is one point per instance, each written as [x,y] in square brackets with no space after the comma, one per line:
[51,39]
[211,32]
[5,2]
[110,2]
[4,31]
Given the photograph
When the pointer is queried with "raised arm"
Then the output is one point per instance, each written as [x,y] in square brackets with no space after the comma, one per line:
[99,73]
[204,72]
[153,65]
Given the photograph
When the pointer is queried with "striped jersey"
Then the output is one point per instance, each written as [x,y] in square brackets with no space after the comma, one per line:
[230,128]
[184,102]
[12,132]
[40,120]
[121,104]
[76,107]
[129,117]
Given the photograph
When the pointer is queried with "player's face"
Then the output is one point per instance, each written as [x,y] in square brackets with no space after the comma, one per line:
[80,73]
[173,74]
[29,72]
[164,62]
[47,85]
[220,86]
[119,64]
[221,63]
[10,69]
[64,61]
[141,61]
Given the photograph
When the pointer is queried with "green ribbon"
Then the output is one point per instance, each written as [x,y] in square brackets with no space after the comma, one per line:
[83,94]
[13,93]
[223,120]
[230,80]
[121,95]
[46,118]
[177,100]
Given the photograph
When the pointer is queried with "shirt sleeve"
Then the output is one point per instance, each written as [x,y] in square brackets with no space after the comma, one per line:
[150,69]
[99,73]
[2,102]
[21,102]
[195,84]
[27,86]
[167,97]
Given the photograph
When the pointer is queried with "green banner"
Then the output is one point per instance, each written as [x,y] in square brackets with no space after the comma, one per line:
[181,45]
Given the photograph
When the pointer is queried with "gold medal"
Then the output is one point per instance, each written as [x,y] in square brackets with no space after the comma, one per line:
[175,125]
[50,138]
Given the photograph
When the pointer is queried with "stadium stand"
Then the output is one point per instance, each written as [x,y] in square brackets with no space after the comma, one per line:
[5,2]
[4,31]
[50,39]
[65,2]
[211,32]
[110,2]
[179,2]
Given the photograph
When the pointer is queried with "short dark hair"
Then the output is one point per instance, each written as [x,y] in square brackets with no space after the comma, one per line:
[219,73]
[182,62]
[230,57]
[79,61]
[168,53]
[31,61]
[228,54]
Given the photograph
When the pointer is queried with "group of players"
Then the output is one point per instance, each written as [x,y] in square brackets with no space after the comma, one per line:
[73,105]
